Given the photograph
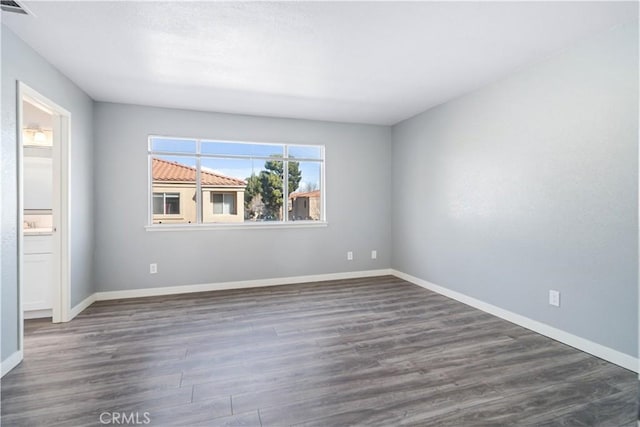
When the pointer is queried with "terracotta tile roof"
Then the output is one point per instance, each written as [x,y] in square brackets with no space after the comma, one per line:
[310,194]
[166,171]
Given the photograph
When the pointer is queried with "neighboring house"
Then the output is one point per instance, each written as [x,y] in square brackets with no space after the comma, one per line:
[174,195]
[304,206]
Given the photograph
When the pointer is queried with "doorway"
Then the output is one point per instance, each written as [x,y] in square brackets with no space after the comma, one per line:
[43,208]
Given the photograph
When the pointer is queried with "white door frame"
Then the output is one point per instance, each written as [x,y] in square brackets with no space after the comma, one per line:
[61,310]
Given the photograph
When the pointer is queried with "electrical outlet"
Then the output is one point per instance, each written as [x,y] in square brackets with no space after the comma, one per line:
[554,298]
[374,254]
[349,256]
[153,268]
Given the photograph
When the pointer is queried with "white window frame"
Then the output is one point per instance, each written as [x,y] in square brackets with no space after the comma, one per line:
[225,196]
[198,155]
[164,203]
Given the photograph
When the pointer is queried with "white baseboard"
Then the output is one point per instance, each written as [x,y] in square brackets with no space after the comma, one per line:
[38,314]
[82,305]
[10,362]
[598,350]
[204,287]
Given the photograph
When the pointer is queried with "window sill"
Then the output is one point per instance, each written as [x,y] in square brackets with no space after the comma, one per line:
[239,226]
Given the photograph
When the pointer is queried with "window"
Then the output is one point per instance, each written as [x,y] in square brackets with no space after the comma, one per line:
[224,203]
[166,203]
[202,181]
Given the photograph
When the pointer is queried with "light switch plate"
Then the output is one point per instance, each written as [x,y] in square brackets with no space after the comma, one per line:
[554,298]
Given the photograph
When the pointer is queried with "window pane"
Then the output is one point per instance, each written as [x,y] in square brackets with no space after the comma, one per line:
[229,204]
[174,180]
[172,203]
[223,188]
[270,191]
[258,194]
[255,185]
[305,202]
[241,149]
[217,203]
[158,203]
[173,145]
[305,151]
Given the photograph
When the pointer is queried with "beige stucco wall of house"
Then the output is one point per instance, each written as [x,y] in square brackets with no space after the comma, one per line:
[314,208]
[305,208]
[207,206]
[187,213]
[188,208]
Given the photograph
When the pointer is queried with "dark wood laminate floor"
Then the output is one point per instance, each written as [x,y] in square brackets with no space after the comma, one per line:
[370,352]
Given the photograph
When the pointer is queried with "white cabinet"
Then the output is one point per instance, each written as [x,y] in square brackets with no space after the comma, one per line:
[37,273]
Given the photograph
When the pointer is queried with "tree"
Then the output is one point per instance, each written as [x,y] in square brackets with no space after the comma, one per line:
[308,187]
[252,198]
[271,190]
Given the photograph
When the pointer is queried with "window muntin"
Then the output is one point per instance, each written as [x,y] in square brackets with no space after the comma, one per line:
[238,182]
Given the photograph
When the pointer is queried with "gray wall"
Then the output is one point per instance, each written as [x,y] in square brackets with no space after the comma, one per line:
[20,62]
[358,210]
[531,184]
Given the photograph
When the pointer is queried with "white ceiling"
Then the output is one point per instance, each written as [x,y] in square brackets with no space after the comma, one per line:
[368,62]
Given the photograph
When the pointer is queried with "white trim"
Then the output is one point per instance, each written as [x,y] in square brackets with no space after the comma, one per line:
[20,88]
[598,350]
[81,306]
[62,203]
[64,230]
[10,362]
[243,284]
[239,226]
[38,314]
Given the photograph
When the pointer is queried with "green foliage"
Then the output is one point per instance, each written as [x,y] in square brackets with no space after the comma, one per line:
[269,186]
[252,190]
